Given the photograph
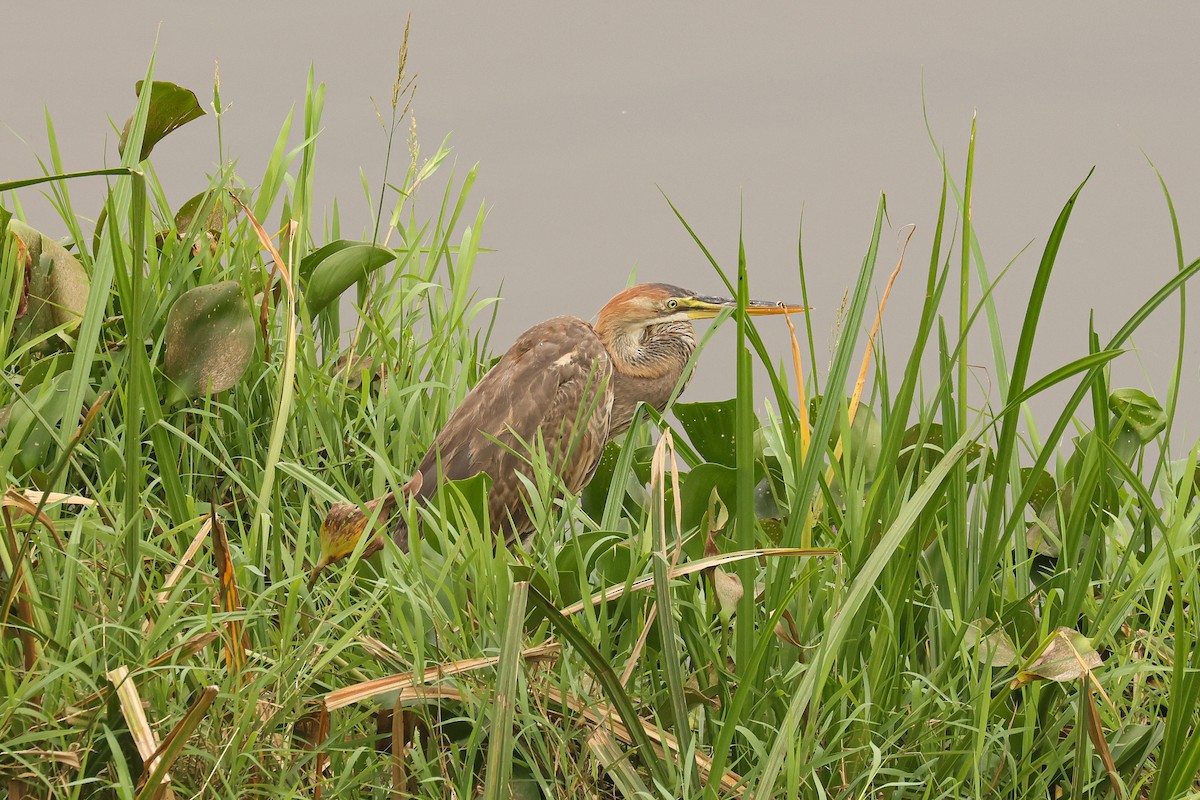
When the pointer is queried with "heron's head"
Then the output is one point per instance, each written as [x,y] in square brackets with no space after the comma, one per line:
[650,304]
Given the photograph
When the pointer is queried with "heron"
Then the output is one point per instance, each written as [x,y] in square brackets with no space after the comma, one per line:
[563,390]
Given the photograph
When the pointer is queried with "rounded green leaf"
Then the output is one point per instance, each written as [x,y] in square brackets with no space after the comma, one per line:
[340,270]
[57,286]
[209,339]
[1138,411]
[991,644]
[710,426]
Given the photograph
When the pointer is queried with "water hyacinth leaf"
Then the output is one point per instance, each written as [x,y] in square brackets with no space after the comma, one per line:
[24,440]
[341,270]
[1139,411]
[1044,536]
[204,215]
[207,207]
[1065,655]
[595,494]
[209,340]
[990,643]
[581,554]
[709,427]
[928,449]
[698,487]
[1044,489]
[310,261]
[866,440]
[171,107]
[56,284]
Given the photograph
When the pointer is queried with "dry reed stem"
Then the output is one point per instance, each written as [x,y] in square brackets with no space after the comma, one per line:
[139,727]
[602,714]
[415,685]
[193,547]
[613,592]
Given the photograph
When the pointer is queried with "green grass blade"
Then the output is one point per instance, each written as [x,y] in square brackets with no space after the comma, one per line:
[501,741]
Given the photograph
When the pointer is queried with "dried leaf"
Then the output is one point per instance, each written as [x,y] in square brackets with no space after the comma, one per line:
[1095,731]
[235,648]
[418,684]
[729,591]
[154,780]
[1066,655]
[135,717]
[613,592]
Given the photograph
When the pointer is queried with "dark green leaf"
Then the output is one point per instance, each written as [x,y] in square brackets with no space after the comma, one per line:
[710,428]
[595,494]
[697,487]
[207,208]
[210,337]
[342,269]
[171,107]
[310,261]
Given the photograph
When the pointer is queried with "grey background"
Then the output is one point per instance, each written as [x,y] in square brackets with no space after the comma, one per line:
[741,113]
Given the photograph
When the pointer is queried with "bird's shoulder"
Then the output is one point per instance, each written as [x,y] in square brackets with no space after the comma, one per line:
[547,370]
[555,338]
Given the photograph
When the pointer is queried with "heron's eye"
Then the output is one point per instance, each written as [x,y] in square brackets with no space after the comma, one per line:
[672,304]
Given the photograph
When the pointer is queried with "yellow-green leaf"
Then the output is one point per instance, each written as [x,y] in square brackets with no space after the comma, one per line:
[340,270]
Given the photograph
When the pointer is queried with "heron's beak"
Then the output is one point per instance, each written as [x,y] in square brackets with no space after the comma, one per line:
[709,307]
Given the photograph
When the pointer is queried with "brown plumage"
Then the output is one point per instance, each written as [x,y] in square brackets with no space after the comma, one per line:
[564,385]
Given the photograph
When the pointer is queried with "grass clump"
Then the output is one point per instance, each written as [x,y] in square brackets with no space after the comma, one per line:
[876,588]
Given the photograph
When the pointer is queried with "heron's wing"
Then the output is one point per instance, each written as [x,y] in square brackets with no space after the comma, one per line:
[554,381]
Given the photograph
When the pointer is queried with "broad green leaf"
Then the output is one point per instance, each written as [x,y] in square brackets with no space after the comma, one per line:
[710,427]
[1139,411]
[203,215]
[207,207]
[57,284]
[990,643]
[342,269]
[930,449]
[210,337]
[697,488]
[310,261]
[24,441]
[458,501]
[1044,536]
[581,553]
[171,107]
[1044,489]
[595,494]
